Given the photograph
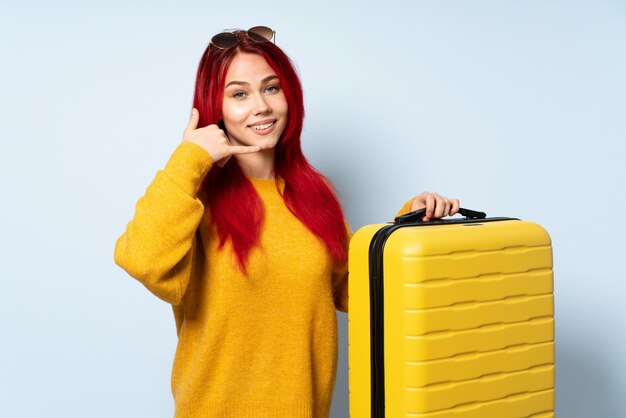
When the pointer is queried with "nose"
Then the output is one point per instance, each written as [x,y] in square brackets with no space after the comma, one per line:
[261,105]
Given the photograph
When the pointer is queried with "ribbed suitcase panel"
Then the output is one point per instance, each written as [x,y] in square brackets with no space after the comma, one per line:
[469,315]
[476,365]
[488,338]
[526,405]
[494,386]
[433,293]
[468,321]
[463,264]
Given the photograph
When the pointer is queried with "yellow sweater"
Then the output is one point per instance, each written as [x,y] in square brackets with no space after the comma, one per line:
[259,346]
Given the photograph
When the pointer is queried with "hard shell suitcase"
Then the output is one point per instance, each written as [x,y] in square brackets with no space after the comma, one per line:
[451,318]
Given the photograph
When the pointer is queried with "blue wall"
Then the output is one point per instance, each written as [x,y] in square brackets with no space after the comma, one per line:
[516,108]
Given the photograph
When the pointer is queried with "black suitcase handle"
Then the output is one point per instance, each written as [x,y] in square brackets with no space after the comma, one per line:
[417,215]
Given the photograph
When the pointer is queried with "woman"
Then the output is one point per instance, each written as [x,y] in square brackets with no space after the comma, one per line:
[251,253]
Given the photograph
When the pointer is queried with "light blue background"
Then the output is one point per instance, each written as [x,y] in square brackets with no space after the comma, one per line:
[516,108]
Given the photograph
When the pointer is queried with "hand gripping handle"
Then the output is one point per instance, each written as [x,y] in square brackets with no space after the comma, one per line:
[417,215]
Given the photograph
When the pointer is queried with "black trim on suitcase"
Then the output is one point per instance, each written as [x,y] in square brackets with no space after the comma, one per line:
[377,245]
[377,353]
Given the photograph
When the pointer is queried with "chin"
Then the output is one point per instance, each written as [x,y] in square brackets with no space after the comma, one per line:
[265,142]
[251,139]
[266,146]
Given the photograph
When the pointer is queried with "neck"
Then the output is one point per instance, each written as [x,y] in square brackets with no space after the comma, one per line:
[258,164]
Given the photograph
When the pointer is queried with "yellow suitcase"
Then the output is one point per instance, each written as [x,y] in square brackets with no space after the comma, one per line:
[451,318]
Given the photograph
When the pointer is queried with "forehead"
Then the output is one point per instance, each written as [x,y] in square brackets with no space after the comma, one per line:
[248,68]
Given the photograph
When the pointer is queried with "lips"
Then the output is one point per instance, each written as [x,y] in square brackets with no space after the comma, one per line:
[262,124]
[260,127]
[264,127]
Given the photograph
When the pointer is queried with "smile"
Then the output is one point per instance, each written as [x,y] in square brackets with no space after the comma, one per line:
[263,126]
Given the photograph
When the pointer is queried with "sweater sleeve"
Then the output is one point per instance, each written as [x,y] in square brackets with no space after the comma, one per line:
[159,243]
[340,278]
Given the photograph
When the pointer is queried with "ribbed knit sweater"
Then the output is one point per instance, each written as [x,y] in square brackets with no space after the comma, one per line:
[262,346]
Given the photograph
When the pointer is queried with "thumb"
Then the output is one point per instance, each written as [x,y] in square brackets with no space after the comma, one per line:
[193,120]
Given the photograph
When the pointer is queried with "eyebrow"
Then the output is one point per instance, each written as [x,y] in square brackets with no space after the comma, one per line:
[244,83]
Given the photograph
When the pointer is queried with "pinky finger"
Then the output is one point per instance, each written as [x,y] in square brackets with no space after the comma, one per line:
[244,150]
[455,206]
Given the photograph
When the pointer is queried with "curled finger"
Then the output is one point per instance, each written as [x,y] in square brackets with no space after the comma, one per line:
[430,206]
[455,207]
[440,206]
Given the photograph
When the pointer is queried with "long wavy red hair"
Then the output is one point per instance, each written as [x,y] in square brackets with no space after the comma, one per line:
[235,207]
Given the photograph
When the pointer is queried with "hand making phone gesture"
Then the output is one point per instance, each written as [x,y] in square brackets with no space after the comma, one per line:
[214,140]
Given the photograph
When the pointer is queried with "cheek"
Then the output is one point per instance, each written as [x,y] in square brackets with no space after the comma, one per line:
[233,115]
[281,106]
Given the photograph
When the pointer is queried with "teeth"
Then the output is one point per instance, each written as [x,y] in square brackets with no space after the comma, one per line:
[259,127]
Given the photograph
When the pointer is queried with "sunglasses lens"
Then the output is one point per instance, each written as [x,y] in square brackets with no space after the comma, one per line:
[260,33]
[224,40]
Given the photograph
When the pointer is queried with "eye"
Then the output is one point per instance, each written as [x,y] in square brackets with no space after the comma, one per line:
[239,95]
[272,89]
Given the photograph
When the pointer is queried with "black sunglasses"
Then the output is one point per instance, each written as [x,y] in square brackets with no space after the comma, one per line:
[227,40]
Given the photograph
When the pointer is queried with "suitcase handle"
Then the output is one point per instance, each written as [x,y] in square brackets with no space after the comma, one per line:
[417,215]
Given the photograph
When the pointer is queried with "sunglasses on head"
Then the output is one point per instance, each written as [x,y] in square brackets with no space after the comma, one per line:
[227,40]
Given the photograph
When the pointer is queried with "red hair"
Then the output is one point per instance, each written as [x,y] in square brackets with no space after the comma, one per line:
[235,207]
